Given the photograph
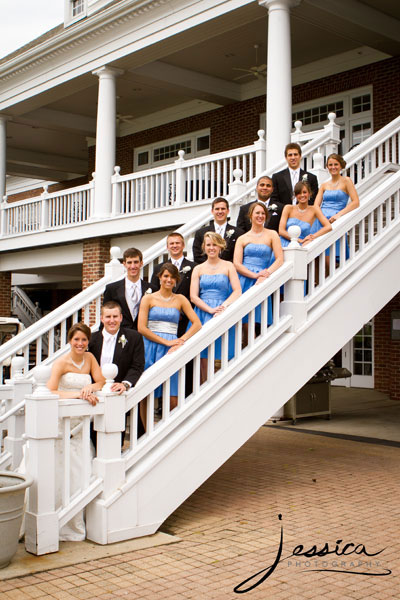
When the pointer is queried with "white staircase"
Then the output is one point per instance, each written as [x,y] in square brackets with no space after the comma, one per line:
[131,495]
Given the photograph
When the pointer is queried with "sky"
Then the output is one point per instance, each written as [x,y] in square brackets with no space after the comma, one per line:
[24,20]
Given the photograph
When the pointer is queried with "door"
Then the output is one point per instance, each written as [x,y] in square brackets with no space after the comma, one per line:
[358,356]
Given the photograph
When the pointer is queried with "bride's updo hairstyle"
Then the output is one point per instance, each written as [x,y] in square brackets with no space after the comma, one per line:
[79,327]
[172,270]
[339,158]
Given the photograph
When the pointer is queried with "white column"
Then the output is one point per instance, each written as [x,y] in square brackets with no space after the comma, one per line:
[105,140]
[3,155]
[279,78]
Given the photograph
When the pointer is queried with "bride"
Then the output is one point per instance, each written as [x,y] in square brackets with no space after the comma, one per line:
[77,374]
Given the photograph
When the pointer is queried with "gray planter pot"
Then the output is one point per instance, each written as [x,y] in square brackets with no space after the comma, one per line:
[12,496]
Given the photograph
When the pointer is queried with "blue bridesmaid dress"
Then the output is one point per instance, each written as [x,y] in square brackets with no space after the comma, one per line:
[256,257]
[163,322]
[305,230]
[333,201]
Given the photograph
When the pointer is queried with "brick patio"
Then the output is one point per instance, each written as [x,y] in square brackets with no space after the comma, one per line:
[326,490]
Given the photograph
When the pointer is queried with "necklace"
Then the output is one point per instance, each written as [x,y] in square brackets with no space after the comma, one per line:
[334,185]
[166,299]
[302,210]
[79,367]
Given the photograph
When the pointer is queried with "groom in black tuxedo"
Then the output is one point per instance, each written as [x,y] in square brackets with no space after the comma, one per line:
[129,291]
[284,181]
[220,212]
[264,190]
[122,346]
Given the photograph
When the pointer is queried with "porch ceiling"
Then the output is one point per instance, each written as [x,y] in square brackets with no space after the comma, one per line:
[47,134]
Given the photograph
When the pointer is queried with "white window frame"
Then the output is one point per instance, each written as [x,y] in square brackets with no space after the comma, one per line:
[69,17]
[150,148]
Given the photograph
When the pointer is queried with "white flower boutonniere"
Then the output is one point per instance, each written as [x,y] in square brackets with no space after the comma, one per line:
[149,291]
[272,207]
[230,233]
[123,341]
[186,269]
[305,177]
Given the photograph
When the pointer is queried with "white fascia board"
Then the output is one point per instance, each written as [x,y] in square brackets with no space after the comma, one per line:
[42,257]
[139,223]
[124,31]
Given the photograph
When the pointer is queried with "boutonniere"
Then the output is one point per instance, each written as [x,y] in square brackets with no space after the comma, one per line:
[123,341]
[272,207]
[229,233]
[305,177]
[186,269]
[149,291]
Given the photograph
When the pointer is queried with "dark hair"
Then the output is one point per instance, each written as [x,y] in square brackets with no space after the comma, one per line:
[252,208]
[110,305]
[172,270]
[300,185]
[264,177]
[132,253]
[292,146]
[220,199]
[339,158]
[215,238]
[82,327]
[176,234]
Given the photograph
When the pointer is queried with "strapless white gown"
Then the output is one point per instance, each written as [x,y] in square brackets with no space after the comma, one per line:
[74,530]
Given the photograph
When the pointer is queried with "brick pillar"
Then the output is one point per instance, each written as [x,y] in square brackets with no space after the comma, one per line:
[96,252]
[5,294]
[387,352]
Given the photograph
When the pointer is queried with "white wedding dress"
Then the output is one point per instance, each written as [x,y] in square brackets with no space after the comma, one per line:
[74,530]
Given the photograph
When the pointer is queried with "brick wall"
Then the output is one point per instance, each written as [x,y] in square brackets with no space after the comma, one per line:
[387,352]
[96,252]
[5,294]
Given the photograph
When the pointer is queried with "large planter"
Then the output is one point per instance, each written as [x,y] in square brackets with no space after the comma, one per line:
[12,496]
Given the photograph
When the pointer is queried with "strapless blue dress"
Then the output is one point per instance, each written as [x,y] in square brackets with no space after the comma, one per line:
[214,290]
[256,257]
[160,320]
[305,230]
[333,201]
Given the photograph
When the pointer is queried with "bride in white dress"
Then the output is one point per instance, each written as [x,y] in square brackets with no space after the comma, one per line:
[71,377]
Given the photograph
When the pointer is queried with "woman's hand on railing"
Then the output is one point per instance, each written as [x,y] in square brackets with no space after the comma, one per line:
[175,344]
[88,394]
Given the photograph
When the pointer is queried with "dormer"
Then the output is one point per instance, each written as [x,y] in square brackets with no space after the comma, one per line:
[74,10]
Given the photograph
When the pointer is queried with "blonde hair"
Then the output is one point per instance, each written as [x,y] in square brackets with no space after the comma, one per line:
[215,238]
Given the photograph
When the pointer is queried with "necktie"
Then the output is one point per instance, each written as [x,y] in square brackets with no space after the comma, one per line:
[135,301]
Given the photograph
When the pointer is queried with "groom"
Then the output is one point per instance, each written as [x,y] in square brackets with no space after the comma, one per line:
[122,346]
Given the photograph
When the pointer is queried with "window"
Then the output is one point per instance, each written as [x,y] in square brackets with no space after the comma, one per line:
[166,151]
[78,7]
[361,103]
[319,114]
[74,10]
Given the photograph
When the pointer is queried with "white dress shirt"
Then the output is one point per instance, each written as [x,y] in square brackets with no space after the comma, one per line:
[220,229]
[177,262]
[295,177]
[108,348]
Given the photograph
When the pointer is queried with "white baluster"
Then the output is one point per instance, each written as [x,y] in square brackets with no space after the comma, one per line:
[260,149]
[180,179]
[116,192]
[41,519]
[331,145]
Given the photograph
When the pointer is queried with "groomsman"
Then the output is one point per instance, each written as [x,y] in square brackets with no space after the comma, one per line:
[220,211]
[122,346]
[264,191]
[175,247]
[284,181]
[129,291]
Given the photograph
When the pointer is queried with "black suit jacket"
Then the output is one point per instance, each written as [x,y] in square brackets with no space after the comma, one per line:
[274,216]
[283,190]
[129,359]
[183,288]
[231,235]
[116,291]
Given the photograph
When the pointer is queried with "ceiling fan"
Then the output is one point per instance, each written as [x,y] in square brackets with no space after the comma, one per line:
[258,71]
[124,118]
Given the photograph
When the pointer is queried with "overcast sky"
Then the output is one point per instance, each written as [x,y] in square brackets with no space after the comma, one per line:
[24,20]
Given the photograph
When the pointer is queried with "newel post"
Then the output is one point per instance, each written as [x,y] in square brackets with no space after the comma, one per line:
[108,464]
[294,303]
[331,146]
[3,217]
[180,179]
[261,152]
[116,192]
[114,269]
[16,424]
[236,188]
[318,168]
[41,425]
[44,217]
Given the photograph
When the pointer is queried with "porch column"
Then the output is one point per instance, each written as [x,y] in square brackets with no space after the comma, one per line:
[279,78]
[3,155]
[105,139]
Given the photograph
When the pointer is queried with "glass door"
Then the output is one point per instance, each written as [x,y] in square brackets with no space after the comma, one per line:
[358,356]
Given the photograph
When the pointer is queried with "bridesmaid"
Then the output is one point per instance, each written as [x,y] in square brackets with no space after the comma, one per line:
[158,323]
[334,195]
[215,285]
[258,253]
[304,215]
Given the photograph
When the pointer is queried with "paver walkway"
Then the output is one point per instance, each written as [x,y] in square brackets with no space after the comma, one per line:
[325,489]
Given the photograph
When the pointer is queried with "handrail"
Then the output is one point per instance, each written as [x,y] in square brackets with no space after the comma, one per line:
[372,141]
